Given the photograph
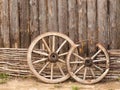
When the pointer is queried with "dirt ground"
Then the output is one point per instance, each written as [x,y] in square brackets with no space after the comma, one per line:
[32,84]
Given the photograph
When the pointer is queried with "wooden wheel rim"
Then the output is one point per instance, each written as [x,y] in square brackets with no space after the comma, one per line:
[30,61]
[85,81]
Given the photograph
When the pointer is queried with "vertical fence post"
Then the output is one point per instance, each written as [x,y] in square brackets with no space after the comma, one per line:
[92,25]
[52,15]
[34,19]
[118,24]
[43,27]
[72,8]
[63,16]
[14,24]
[0,25]
[5,23]
[24,23]
[82,24]
[102,22]
[113,28]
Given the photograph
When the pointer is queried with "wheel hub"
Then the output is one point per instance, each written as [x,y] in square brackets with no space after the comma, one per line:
[53,57]
[88,62]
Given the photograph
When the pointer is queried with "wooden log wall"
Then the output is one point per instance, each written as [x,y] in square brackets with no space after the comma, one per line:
[93,20]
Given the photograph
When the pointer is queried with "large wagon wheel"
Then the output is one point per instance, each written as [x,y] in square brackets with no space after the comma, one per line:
[91,69]
[48,62]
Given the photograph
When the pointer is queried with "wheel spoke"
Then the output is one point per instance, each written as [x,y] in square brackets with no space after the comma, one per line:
[75,62]
[43,67]
[39,52]
[96,54]
[101,60]
[79,69]
[85,72]
[53,44]
[46,45]
[51,76]
[61,60]
[63,54]
[92,72]
[60,69]
[99,68]
[78,56]
[61,46]
[41,60]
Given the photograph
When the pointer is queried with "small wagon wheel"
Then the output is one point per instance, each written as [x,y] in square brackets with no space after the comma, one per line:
[50,64]
[89,70]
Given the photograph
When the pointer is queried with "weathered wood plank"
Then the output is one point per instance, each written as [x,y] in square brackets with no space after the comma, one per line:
[63,16]
[43,16]
[82,24]
[52,21]
[5,23]
[118,24]
[14,24]
[63,21]
[34,21]
[72,8]
[0,24]
[52,15]
[92,25]
[113,28]
[1,43]
[102,22]
[43,19]
[24,23]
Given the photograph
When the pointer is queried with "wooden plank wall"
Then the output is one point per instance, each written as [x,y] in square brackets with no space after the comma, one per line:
[96,20]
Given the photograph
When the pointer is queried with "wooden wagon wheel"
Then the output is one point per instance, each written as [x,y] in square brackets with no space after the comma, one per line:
[91,69]
[50,64]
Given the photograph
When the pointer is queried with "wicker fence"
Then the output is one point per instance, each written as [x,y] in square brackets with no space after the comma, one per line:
[97,20]
[13,62]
